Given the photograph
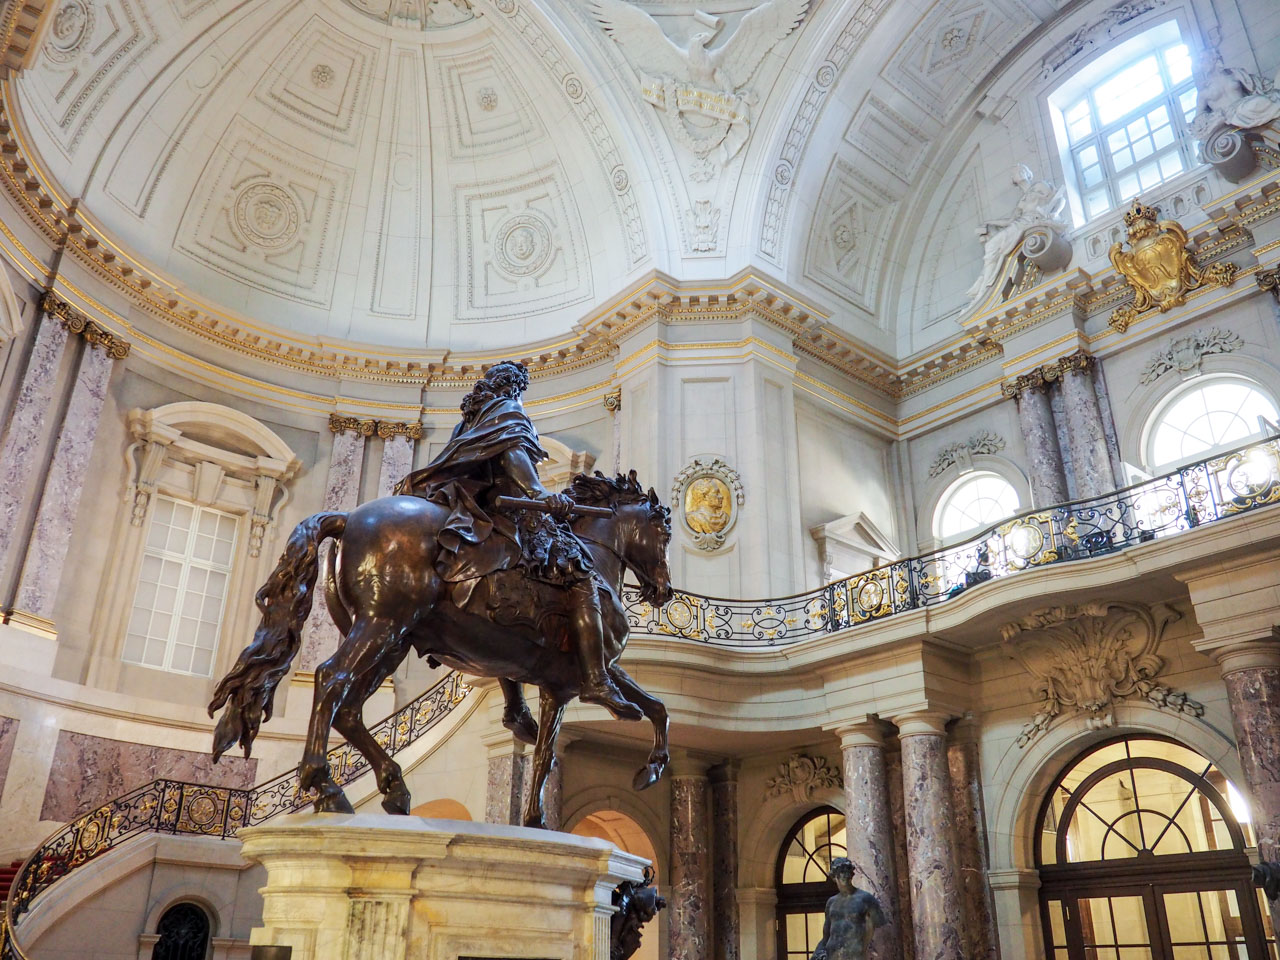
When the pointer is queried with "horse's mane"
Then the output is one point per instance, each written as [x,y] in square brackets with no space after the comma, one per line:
[599,490]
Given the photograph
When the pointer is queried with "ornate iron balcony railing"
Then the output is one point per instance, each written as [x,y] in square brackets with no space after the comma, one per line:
[1213,489]
[171,806]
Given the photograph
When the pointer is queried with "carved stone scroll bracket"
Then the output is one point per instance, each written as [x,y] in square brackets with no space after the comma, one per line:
[1086,658]
[708,493]
[800,775]
[1231,152]
[1159,266]
[77,323]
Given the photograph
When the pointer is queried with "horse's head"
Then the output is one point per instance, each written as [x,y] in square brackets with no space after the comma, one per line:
[639,531]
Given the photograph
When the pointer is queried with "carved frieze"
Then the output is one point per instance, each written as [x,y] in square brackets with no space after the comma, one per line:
[709,493]
[1086,658]
[1159,265]
[984,442]
[1184,354]
[799,775]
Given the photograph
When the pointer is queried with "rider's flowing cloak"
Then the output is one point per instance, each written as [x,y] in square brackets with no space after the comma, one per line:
[476,539]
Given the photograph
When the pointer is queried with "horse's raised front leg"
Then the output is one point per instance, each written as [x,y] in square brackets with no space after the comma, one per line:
[656,711]
[551,712]
[383,658]
[515,713]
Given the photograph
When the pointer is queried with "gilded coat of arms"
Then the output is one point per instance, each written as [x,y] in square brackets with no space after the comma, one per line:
[1159,266]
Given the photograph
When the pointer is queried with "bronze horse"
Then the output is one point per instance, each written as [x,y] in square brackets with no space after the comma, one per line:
[384,593]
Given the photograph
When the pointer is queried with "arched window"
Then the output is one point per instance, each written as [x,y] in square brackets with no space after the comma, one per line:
[184,934]
[975,501]
[803,880]
[1209,415]
[1122,121]
[1142,852]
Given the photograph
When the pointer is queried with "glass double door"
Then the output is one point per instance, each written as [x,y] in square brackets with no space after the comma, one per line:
[1159,921]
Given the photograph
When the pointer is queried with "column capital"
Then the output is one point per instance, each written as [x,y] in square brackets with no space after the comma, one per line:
[686,764]
[919,723]
[1251,654]
[867,731]
[726,772]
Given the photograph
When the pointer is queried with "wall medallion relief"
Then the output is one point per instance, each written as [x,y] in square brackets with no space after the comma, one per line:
[1086,658]
[708,492]
[266,215]
[72,26]
[1184,354]
[523,246]
[799,775]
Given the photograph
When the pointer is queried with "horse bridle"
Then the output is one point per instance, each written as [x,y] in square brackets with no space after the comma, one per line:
[648,586]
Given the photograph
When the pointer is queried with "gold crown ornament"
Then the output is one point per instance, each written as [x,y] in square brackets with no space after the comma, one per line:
[1140,211]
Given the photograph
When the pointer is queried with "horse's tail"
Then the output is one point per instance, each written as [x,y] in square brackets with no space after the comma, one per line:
[340,615]
[285,603]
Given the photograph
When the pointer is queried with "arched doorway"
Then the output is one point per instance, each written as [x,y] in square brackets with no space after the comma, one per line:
[1142,854]
[184,934]
[628,836]
[803,880]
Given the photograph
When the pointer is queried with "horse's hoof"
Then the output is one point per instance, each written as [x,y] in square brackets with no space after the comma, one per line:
[397,801]
[524,728]
[647,776]
[335,802]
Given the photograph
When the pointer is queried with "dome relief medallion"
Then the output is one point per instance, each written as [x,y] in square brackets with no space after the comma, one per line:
[523,245]
[709,494]
[266,215]
[416,14]
[72,25]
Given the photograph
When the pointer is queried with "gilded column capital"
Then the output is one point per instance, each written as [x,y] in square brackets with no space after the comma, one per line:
[77,323]
[613,400]
[387,429]
[1040,377]
[340,424]
[1269,280]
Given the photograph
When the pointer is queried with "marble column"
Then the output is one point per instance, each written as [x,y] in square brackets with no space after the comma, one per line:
[397,458]
[1251,673]
[64,483]
[897,814]
[505,786]
[1040,437]
[869,828]
[981,937]
[20,455]
[1085,433]
[687,911]
[725,928]
[936,903]
[342,490]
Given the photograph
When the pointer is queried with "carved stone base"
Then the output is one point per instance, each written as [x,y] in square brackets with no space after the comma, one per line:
[387,888]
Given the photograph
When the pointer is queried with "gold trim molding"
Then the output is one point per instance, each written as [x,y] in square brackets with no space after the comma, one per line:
[386,429]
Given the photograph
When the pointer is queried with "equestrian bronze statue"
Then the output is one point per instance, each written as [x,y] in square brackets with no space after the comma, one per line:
[474,564]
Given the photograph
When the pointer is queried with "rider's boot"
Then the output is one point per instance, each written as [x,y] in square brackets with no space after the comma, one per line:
[587,632]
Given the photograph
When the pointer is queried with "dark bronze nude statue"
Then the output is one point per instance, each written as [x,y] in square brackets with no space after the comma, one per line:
[852,918]
[473,564]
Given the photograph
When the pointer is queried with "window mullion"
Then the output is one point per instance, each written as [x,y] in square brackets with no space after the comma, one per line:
[182,588]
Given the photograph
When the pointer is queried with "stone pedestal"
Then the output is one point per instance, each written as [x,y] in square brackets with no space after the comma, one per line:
[388,888]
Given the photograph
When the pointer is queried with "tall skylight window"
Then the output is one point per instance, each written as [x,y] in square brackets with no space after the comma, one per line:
[1122,121]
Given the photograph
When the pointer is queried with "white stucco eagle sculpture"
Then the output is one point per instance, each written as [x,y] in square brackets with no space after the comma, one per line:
[701,90]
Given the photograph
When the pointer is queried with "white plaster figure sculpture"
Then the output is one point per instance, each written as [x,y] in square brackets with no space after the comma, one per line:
[1041,205]
[1233,97]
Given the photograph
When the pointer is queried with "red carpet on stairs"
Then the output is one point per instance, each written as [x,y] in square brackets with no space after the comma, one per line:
[6,878]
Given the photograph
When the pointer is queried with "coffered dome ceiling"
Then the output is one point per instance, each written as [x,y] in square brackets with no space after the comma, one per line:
[478,174]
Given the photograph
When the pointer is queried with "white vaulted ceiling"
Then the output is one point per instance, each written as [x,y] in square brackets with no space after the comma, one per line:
[446,174]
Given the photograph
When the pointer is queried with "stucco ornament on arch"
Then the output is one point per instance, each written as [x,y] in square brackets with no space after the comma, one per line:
[800,775]
[1087,657]
[708,493]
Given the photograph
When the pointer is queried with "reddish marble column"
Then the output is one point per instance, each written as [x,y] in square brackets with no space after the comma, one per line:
[1251,673]
[20,455]
[63,485]
[936,904]
[342,490]
[724,871]
[1086,436]
[687,910]
[981,937]
[869,828]
[397,458]
[893,772]
[1040,438]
